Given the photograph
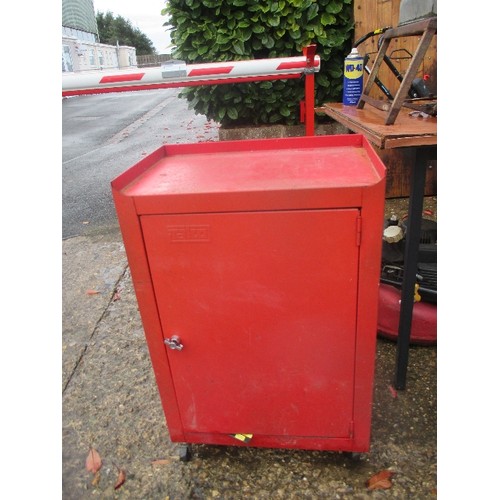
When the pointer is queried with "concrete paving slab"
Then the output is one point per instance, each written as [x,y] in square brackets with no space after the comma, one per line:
[92,268]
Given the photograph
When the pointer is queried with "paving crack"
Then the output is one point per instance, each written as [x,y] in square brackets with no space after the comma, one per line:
[96,327]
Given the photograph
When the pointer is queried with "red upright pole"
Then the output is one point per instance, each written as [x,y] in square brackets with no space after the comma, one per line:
[309,88]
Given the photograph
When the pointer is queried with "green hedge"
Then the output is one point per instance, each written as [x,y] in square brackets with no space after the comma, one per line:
[231,30]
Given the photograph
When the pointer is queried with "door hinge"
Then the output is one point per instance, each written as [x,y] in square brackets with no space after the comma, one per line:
[358,231]
[351,429]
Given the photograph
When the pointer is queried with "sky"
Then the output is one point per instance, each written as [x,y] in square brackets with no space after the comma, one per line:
[142,14]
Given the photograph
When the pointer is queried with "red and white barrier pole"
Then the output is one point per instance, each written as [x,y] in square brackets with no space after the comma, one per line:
[178,74]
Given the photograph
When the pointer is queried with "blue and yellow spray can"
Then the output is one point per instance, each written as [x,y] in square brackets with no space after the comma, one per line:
[353,78]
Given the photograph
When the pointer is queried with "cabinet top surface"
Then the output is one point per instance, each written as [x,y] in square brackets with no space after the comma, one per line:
[254,166]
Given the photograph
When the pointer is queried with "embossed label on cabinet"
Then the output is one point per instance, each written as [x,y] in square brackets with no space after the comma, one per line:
[189,234]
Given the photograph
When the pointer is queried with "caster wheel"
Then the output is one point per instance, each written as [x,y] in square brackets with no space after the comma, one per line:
[184,453]
[353,456]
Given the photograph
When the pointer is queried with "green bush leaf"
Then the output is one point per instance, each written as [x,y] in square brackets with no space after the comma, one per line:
[327,19]
[203,50]
[232,113]
[266,85]
[318,30]
[221,113]
[334,7]
[256,44]
[274,21]
[245,34]
[322,80]
[238,47]
[312,11]
[267,41]
[285,111]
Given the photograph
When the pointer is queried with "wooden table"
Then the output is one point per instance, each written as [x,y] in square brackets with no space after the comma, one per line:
[407,131]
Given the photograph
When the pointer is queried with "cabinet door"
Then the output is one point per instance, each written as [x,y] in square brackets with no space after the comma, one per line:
[264,304]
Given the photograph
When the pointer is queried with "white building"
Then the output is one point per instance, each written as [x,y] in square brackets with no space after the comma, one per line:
[81,50]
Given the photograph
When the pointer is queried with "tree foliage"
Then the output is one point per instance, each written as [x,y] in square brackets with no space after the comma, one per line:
[222,30]
[118,29]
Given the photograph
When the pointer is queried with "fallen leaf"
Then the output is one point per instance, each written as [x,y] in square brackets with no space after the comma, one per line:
[92,292]
[93,463]
[393,391]
[121,478]
[380,481]
[161,461]
[116,296]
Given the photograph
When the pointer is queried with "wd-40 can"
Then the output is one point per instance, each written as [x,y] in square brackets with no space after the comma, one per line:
[353,78]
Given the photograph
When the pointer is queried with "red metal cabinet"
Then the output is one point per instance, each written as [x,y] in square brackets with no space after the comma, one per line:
[256,267]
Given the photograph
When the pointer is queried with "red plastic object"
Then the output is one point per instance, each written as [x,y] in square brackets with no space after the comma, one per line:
[256,268]
[424,319]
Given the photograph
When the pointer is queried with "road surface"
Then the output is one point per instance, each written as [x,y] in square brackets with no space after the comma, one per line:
[103,135]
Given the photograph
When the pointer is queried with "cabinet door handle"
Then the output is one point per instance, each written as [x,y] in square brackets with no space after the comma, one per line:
[174,343]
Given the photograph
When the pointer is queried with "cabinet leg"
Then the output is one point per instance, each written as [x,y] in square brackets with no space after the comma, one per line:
[184,452]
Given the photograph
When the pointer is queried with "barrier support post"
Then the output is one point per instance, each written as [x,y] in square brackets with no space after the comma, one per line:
[309,52]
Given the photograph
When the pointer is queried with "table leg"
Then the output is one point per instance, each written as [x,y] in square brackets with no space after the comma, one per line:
[414,223]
